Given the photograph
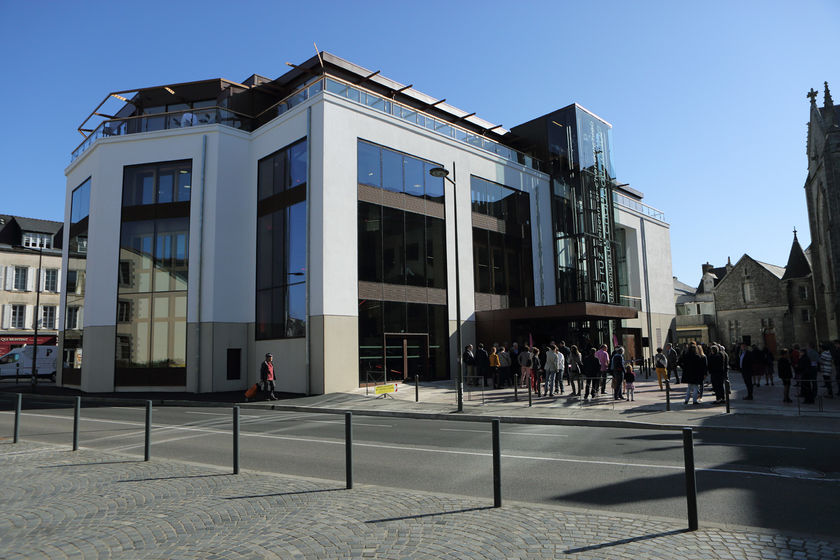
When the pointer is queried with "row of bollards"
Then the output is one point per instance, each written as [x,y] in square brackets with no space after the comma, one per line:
[688,451]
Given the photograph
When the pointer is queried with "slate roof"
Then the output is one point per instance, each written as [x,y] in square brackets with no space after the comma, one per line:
[718,273]
[797,265]
[38,226]
[777,271]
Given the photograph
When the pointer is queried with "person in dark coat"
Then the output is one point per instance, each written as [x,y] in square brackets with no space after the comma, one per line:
[482,363]
[592,374]
[717,372]
[694,371]
[267,377]
[617,366]
[673,357]
[468,359]
[785,372]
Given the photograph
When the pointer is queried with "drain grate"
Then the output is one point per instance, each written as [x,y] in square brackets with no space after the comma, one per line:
[797,472]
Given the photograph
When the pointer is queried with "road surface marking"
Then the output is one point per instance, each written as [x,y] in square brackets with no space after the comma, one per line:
[503,433]
[446,451]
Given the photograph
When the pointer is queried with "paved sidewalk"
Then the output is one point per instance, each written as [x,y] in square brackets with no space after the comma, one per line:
[60,504]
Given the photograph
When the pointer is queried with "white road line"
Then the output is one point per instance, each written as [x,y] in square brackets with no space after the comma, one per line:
[752,445]
[502,433]
[457,452]
[354,423]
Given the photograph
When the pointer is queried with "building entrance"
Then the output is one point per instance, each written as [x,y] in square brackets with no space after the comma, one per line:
[406,355]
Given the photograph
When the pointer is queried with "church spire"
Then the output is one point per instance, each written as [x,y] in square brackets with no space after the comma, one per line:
[828,109]
[797,264]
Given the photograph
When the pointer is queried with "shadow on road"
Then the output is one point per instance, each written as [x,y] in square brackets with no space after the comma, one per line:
[276,494]
[175,477]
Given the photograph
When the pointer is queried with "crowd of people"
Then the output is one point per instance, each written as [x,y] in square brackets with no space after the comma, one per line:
[550,370]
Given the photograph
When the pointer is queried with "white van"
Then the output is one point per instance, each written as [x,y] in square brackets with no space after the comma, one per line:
[18,362]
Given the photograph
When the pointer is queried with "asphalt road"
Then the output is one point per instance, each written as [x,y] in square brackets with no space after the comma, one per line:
[742,478]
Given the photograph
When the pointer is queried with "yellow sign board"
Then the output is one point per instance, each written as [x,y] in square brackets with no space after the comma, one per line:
[385,389]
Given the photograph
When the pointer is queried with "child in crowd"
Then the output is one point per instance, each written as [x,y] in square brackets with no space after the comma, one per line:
[630,382]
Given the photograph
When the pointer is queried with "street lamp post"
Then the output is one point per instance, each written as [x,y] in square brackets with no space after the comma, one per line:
[37,314]
[443,173]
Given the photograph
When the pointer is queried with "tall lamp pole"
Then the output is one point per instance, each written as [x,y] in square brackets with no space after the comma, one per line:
[443,173]
[37,313]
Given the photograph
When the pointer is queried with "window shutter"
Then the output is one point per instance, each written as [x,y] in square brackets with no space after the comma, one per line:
[80,318]
[43,283]
[10,278]
[7,316]
[27,321]
[56,324]
[39,317]
[30,279]
[58,287]
[2,270]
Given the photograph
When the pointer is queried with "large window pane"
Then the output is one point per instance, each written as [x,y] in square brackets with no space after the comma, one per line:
[369,170]
[370,242]
[434,185]
[281,244]
[393,246]
[435,253]
[392,171]
[413,173]
[415,249]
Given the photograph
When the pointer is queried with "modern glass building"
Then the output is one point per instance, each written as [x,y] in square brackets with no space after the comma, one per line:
[298,216]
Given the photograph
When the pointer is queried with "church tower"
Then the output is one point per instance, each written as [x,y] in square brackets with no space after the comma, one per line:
[797,285]
[822,190]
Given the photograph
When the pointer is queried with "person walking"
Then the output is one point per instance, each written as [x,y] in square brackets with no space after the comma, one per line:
[267,377]
[630,382]
[495,365]
[604,361]
[758,363]
[785,373]
[672,356]
[717,372]
[825,369]
[617,368]
[525,366]
[745,365]
[504,368]
[694,370]
[469,362]
[769,362]
[592,374]
[574,368]
[660,362]
[552,365]
[536,368]
[564,373]
[482,364]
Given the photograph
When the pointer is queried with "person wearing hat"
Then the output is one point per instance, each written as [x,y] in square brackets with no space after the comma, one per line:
[267,377]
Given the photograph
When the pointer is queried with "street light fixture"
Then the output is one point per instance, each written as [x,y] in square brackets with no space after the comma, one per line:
[442,173]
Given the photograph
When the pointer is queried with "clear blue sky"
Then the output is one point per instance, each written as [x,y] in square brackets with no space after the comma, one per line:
[707,99]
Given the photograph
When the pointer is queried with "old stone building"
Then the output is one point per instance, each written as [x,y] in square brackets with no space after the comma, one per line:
[696,319]
[822,189]
[765,304]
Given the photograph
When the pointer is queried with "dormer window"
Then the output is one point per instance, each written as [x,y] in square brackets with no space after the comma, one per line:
[37,240]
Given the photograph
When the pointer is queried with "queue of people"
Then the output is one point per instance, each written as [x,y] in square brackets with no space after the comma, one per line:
[585,372]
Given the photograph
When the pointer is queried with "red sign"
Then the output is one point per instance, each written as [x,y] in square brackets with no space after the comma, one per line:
[10,342]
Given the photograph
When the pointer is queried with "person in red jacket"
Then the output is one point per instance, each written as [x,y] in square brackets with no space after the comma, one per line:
[267,377]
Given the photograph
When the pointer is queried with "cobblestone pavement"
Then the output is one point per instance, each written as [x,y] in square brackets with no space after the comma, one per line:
[56,503]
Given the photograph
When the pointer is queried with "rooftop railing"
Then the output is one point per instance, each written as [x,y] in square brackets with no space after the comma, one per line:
[627,202]
[414,116]
[163,121]
[220,115]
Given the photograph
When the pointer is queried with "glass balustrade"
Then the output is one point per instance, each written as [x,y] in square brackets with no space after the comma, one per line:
[621,200]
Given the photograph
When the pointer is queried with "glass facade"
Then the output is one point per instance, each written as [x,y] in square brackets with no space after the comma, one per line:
[502,255]
[281,244]
[397,172]
[579,152]
[151,341]
[405,252]
[74,285]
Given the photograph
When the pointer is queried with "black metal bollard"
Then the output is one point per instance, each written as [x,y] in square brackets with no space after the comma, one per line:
[235,440]
[17,417]
[690,479]
[77,412]
[530,396]
[348,447]
[416,388]
[148,447]
[726,387]
[667,394]
[497,465]
[516,387]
